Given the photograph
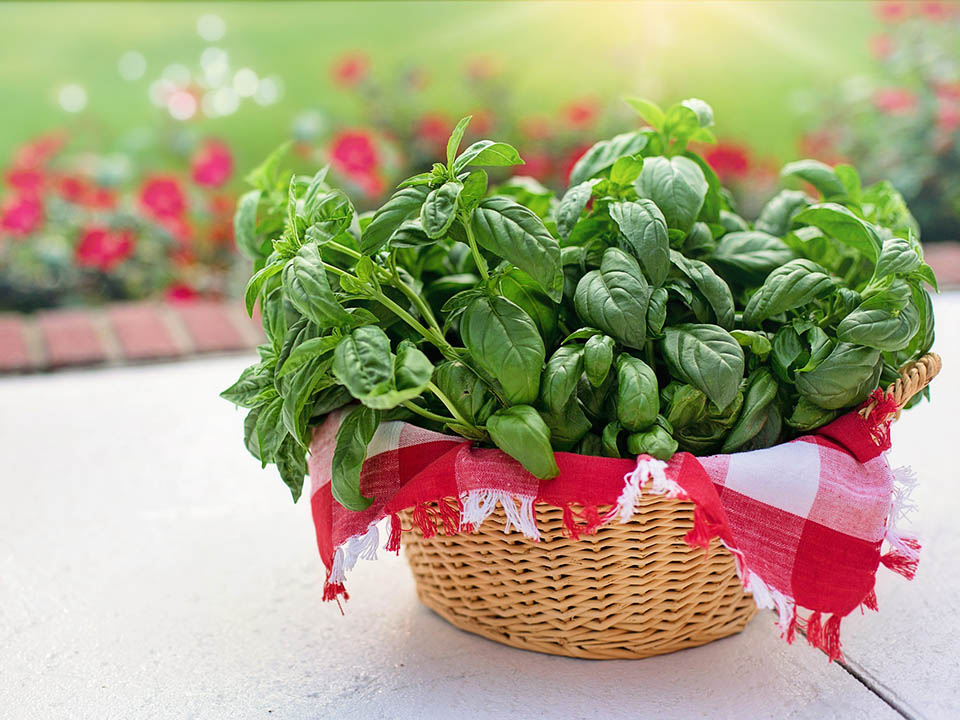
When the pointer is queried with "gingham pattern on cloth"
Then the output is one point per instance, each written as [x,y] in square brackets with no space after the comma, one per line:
[806,520]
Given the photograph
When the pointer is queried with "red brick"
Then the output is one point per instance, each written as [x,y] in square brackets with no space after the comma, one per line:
[141,332]
[209,326]
[944,258]
[13,344]
[70,338]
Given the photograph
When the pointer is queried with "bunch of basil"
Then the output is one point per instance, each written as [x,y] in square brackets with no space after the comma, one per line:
[636,314]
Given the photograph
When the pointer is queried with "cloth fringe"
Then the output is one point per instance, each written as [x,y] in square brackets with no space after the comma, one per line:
[647,469]
[878,424]
[903,556]
[478,505]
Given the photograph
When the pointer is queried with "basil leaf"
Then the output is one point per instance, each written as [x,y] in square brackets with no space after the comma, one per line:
[879,323]
[245,226]
[296,389]
[453,144]
[614,298]
[247,390]
[713,288]
[609,439]
[567,426]
[638,397]
[292,464]
[649,111]
[363,362]
[846,377]
[626,169]
[523,435]
[821,176]
[306,286]
[758,343]
[505,342]
[308,350]
[355,433]
[256,283]
[645,231]
[560,376]
[466,391]
[657,310]
[707,357]
[898,256]
[269,431]
[439,209]
[761,393]
[752,254]
[402,206]
[655,442]
[605,153]
[474,190]
[686,406]
[572,205]
[486,153]
[677,185]
[838,222]
[807,416]
[515,233]
[790,286]
[520,289]
[598,358]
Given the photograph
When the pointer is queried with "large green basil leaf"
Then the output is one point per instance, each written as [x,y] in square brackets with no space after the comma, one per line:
[505,342]
[598,358]
[777,215]
[306,286]
[519,288]
[572,205]
[248,390]
[638,396]
[297,388]
[711,285]
[292,463]
[790,286]
[807,416]
[403,205]
[245,227]
[560,376]
[516,234]
[305,351]
[487,153]
[880,323]
[678,187]
[567,426]
[256,283]
[466,391]
[355,433]
[614,298]
[821,176]
[707,357]
[751,254]
[363,362]
[846,377]
[269,431]
[686,405]
[899,256]
[523,435]
[761,393]
[840,223]
[655,442]
[645,231]
[439,209]
[605,153]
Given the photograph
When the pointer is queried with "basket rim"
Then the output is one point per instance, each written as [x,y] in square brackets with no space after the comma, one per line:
[914,377]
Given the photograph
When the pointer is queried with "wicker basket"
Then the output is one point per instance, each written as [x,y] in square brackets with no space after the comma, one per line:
[631,590]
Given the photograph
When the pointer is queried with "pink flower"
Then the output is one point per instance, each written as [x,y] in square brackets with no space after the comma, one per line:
[180,292]
[21,215]
[936,11]
[25,181]
[354,153]
[881,46]
[212,165]
[891,11]
[162,197]
[581,114]
[895,101]
[433,129]
[38,152]
[729,161]
[104,249]
[948,116]
[79,191]
[350,69]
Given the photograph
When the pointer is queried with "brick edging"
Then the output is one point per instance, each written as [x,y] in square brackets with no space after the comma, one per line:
[123,333]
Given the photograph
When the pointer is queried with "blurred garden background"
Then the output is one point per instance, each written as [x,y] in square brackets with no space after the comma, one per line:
[128,128]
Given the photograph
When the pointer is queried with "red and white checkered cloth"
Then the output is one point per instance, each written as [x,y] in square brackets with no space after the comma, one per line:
[805,521]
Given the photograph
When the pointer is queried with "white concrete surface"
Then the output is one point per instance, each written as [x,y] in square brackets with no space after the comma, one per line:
[150,569]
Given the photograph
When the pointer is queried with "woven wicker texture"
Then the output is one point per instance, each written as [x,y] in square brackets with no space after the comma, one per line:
[632,590]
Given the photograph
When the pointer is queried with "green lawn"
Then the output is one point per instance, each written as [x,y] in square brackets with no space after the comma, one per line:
[746,58]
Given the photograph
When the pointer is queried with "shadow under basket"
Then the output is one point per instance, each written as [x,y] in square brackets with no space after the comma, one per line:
[631,590]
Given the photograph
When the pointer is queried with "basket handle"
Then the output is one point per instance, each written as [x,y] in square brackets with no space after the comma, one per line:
[914,377]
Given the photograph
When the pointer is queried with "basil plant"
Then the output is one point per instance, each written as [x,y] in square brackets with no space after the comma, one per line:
[637,313]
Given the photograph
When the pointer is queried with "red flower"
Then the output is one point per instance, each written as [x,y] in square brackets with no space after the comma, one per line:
[212,164]
[104,249]
[571,160]
[21,215]
[537,165]
[535,127]
[948,116]
[581,114]
[100,199]
[936,11]
[891,11]
[26,181]
[36,153]
[729,161]
[73,189]
[895,101]
[433,129]
[180,292]
[350,70]
[881,46]
[354,153]
[482,122]
[162,198]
